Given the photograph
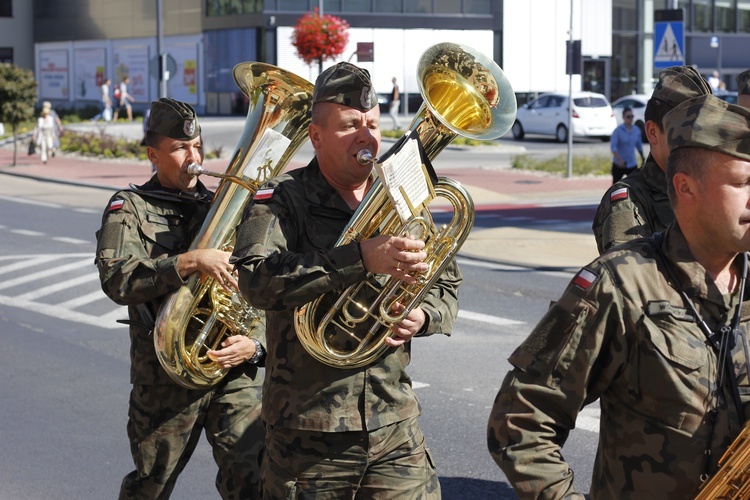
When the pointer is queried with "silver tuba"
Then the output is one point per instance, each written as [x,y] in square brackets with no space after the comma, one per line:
[464,93]
[201,314]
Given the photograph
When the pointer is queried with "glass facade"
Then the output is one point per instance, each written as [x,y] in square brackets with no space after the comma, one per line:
[743,16]
[702,15]
[725,16]
[230,7]
[223,48]
[6,8]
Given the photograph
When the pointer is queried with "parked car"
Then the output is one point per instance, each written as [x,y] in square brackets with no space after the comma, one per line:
[548,115]
[636,102]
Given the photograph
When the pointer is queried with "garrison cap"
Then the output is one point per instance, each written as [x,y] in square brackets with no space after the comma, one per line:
[346,84]
[743,82]
[680,83]
[708,122]
[173,119]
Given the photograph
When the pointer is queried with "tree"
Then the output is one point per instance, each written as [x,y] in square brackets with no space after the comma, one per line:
[17,99]
[320,38]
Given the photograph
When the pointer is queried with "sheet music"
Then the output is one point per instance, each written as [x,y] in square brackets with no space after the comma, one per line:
[266,156]
[405,180]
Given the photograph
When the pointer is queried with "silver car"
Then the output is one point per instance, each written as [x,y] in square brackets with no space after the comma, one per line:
[548,115]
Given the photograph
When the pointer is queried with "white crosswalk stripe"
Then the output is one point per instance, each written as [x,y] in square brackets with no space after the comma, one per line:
[53,276]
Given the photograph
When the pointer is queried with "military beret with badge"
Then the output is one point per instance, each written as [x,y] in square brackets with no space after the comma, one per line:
[173,119]
[678,84]
[346,84]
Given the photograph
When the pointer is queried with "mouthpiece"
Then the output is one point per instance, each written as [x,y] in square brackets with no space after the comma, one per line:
[194,169]
[365,157]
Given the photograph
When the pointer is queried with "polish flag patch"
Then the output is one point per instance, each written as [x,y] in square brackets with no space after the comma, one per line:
[584,279]
[263,194]
[618,194]
[116,205]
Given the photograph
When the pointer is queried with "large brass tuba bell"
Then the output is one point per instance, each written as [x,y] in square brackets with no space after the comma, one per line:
[201,314]
[465,94]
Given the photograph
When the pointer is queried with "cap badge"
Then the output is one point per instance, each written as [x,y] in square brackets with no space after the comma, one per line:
[189,127]
[365,98]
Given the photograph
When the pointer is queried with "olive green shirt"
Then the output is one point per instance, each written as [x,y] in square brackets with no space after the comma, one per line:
[286,256]
[634,207]
[622,334]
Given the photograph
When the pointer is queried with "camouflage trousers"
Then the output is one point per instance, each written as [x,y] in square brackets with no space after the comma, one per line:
[164,426]
[387,463]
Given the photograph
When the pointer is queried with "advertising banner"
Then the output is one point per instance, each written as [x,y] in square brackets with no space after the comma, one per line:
[90,67]
[54,74]
[132,61]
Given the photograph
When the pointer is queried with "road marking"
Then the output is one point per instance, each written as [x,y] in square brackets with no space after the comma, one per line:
[83,300]
[26,232]
[511,267]
[30,202]
[45,274]
[58,287]
[486,318]
[23,264]
[75,241]
[589,419]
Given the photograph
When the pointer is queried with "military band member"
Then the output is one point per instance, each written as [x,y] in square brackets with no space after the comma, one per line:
[743,88]
[638,205]
[142,255]
[655,329]
[333,432]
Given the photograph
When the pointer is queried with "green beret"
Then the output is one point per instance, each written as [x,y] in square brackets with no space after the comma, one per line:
[346,84]
[708,122]
[743,82]
[680,83]
[173,119]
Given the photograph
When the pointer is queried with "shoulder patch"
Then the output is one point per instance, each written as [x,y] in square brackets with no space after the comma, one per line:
[263,194]
[116,205]
[618,194]
[584,279]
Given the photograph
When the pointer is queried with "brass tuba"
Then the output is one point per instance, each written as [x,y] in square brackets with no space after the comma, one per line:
[201,314]
[464,93]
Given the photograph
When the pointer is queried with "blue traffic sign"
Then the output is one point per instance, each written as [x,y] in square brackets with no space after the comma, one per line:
[669,41]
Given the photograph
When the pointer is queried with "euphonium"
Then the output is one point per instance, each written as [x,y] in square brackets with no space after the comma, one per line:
[466,94]
[201,314]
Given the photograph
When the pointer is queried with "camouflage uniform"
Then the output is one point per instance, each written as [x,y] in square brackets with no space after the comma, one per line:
[143,230]
[634,207]
[286,258]
[638,205]
[623,333]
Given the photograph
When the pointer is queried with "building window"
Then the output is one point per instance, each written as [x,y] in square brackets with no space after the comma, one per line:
[6,55]
[357,6]
[6,8]
[229,7]
[419,7]
[624,16]
[389,6]
[702,18]
[296,6]
[477,7]
[685,6]
[725,15]
[743,15]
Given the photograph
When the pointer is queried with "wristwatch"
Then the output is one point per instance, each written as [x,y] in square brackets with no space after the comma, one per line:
[259,352]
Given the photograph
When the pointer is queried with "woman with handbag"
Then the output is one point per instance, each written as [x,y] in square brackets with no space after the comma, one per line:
[44,134]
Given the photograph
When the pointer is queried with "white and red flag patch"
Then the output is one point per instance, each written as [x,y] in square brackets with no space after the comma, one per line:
[584,279]
[116,205]
[263,194]
[618,194]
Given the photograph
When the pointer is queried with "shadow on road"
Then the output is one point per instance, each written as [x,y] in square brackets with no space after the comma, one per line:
[460,488]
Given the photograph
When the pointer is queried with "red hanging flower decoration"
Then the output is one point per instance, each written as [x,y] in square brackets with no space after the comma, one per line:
[319,38]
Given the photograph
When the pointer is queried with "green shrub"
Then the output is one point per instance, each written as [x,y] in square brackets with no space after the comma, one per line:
[582,165]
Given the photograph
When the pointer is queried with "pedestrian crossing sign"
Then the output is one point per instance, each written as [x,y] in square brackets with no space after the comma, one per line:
[669,42]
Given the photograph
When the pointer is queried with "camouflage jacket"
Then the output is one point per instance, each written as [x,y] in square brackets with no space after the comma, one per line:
[621,334]
[635,207]
[286,258]
[143,230]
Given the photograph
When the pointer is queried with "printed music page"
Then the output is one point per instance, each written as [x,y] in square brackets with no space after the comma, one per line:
[405,181]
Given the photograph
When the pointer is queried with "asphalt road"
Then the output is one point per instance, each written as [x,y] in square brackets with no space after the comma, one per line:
[64,365]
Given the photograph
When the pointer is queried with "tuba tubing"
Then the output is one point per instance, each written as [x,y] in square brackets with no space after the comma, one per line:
[464,93]
[201,314]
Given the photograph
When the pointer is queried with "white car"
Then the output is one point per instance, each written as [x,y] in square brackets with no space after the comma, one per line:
[548,115]
[636,102]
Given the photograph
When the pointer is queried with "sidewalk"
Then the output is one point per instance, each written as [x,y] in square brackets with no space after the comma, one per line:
[496,193]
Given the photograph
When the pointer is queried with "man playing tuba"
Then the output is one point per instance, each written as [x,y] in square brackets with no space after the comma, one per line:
[142,255]
[354,432]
